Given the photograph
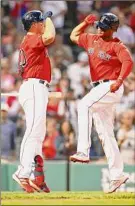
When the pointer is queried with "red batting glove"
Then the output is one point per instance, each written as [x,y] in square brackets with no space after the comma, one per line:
[115,86]
[90,19]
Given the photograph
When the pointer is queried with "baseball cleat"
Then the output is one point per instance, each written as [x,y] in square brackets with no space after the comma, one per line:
[115,184]
[79,157]
[24,183]
[39,183]
[39,187]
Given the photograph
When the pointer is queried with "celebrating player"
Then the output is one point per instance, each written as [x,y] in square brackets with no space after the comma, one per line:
[110,63]
[35,69]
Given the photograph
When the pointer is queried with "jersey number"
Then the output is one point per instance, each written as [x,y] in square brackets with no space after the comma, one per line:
[22,60]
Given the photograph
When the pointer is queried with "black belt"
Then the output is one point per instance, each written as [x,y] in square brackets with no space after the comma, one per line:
[94,84]
[44,82]
[41,82]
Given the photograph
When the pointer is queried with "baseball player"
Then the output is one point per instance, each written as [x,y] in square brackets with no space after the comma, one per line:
[35,69]
[110,63]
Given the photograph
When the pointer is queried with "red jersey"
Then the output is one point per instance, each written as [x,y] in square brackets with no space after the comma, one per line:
[107,59]
[34,61]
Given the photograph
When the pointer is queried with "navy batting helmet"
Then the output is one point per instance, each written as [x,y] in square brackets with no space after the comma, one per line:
[108,21]
[34,16]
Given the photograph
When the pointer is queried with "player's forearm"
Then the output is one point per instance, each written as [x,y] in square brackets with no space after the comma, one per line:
[126,69]
[49,33]
[77,31]
[125,58]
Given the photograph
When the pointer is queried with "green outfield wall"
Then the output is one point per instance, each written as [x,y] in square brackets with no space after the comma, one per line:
[76,177]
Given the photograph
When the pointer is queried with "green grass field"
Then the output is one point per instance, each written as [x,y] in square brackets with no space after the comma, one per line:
[68,198]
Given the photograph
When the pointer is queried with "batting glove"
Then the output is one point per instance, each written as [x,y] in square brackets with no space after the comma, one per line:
[48,14]
[90,19]
[115,86]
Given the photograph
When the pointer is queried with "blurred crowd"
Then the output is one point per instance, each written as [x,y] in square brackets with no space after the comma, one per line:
[70,75]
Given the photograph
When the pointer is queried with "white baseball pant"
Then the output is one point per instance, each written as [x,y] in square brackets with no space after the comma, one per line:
[33,97]
[100,105]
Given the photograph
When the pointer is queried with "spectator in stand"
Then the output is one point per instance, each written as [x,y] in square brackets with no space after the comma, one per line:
[115,10]
[7,79]
[63,86]
[59,9]
[49,148]
[83,9]
[96,152]
[125,33]
[65,143]
[52,107]
[85,82]
[132,18]
[128,99]
[67,104]
[8,37]
[5,8]
[59,46]
[131,81]
[15,55]
[56,107]
[58,59]
[13,103]
[100,6]
[56,74]
[21,125]
[126,137]
[124,6]
[77,71]
[19,8]
[8,134]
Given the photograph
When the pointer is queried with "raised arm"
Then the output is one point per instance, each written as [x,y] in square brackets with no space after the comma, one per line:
[49,32]
[89,20]
[77,31]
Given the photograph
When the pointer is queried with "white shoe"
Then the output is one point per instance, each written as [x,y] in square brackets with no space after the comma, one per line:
[79,157]
[115,184]
[24,183]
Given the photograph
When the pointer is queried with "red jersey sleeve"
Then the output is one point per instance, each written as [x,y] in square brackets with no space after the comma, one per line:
[125,58]
[84,39]
[36,42]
